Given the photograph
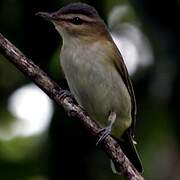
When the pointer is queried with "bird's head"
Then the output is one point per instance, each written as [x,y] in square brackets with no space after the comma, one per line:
[77,20]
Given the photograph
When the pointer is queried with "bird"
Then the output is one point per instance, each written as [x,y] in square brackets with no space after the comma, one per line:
[96,74]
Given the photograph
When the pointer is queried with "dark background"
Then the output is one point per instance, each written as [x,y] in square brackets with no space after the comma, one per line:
[64,150]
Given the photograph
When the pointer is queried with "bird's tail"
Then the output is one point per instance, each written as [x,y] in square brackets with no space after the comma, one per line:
[129,149]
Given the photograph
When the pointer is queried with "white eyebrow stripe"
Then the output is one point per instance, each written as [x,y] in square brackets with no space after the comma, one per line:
[81,16]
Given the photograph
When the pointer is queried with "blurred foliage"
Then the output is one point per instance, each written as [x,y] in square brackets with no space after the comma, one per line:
[65,151]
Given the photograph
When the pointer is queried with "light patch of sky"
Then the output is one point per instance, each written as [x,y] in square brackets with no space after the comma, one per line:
[32,109]
[130,40]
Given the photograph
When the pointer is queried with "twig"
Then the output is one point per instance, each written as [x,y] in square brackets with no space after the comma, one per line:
[39,77]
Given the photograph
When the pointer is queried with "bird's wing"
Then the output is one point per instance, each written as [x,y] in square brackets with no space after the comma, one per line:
[121,68]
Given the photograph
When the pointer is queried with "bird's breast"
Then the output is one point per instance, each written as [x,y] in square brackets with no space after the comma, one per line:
[96,84]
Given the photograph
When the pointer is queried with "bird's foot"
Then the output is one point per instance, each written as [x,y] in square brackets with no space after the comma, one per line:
[65,93]
[104,132]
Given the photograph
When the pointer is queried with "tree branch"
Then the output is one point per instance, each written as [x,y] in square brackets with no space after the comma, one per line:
[52,89]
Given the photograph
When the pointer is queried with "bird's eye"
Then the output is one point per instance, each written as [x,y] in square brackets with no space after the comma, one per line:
[77,21]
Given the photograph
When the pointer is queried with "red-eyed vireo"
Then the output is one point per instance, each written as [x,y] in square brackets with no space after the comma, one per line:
[96,73]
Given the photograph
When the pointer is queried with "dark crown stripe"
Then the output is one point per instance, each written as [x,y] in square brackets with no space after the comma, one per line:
[79,8]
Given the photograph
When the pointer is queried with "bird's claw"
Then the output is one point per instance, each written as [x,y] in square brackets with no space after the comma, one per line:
[104,133]
[64,94]
[107,130]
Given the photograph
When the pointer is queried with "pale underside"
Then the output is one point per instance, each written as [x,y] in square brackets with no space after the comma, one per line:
[96,83]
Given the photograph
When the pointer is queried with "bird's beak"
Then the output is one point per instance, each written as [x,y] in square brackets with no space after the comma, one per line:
[48,16]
